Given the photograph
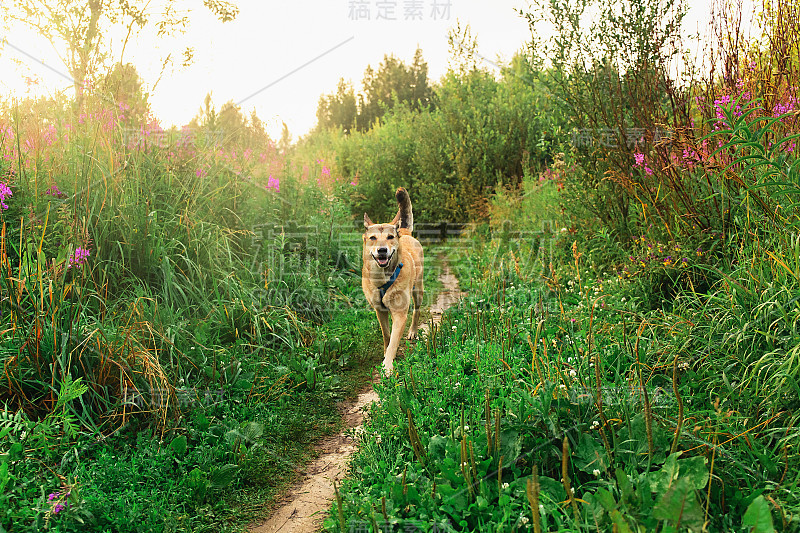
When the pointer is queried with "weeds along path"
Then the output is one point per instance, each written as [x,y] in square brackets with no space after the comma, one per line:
[305,506]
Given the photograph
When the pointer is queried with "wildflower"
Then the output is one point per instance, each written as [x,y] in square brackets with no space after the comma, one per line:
[573,374]
[596,472]
[79,257]
[55,192]
[326,171]
[524,519]
[505,486]
[639,159]
[274,183]
[5,192]
[58,508]
[52,496]
[595,425]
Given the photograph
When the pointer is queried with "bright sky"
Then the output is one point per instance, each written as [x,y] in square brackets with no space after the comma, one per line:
[278,57]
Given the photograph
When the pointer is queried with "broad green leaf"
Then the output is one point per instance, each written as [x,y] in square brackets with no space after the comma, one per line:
[620,522]
[223,476]
[758,516]
[694,471]
[662,480]
[679,504]
[437,446]
[178,445]
[606,499]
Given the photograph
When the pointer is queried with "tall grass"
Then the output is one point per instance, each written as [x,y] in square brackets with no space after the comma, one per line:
[125,244]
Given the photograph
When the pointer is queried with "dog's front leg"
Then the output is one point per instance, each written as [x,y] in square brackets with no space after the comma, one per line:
[383,320]
[398,326]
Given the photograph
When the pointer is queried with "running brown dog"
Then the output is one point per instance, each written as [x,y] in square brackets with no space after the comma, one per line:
[392,274]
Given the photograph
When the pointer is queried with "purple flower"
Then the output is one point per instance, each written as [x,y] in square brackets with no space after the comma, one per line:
[639,159]
[79,257]
[58,508]
[52,496]
[274,183]
[5,192]
[55,192]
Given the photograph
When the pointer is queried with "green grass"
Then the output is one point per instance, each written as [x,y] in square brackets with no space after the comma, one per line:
[471,434]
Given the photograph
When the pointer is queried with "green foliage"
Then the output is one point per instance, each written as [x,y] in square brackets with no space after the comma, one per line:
[394,83]
[481,135]
[531,375]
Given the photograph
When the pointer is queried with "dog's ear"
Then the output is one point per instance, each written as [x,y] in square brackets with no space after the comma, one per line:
[367,221]
[396,220]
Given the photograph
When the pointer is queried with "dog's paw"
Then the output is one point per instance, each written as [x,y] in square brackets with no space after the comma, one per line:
[387,367]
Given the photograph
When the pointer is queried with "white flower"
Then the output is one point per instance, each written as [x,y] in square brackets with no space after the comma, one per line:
[454,328]
[524,519]
[505,486]
[573,374]
[466,428]
[595,425]
[596,472]
[622,299]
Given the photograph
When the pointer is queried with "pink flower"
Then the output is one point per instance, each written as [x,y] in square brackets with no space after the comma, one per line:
[55,192]
[79,257]
[274,183]
[639,159]
[5,192]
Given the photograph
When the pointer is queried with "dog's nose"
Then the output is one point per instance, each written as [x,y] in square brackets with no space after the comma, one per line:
[383,251]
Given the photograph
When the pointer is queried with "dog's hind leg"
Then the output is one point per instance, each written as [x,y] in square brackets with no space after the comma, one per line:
[398,327]
[418,293]
[383,320]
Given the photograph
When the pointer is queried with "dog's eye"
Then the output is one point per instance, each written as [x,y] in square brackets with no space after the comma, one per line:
[373,238]
[389,237]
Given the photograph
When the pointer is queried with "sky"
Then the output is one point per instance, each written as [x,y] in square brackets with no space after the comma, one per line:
[278,57]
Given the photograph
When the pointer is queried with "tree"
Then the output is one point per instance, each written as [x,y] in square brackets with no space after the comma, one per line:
[339,109]
[393,82]
[124,87]
[78,30]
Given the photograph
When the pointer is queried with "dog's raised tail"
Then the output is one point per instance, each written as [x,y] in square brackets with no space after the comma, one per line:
[405,216]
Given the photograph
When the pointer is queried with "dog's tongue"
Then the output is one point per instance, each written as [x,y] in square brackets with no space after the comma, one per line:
[383,262]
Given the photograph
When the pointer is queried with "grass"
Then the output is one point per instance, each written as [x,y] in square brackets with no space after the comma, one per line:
[531,389]
[180,311]
[179,322]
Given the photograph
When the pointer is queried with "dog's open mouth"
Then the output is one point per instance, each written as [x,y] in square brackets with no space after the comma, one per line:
[383,260]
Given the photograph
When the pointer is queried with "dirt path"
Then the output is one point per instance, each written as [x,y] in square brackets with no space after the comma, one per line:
[305,506]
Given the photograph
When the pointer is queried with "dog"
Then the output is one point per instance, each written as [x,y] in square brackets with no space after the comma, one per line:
[391,275]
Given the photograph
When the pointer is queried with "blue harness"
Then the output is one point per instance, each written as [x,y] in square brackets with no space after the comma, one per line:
[385,287]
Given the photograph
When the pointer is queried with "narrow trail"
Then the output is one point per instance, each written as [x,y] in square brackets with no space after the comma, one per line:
[305,505]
